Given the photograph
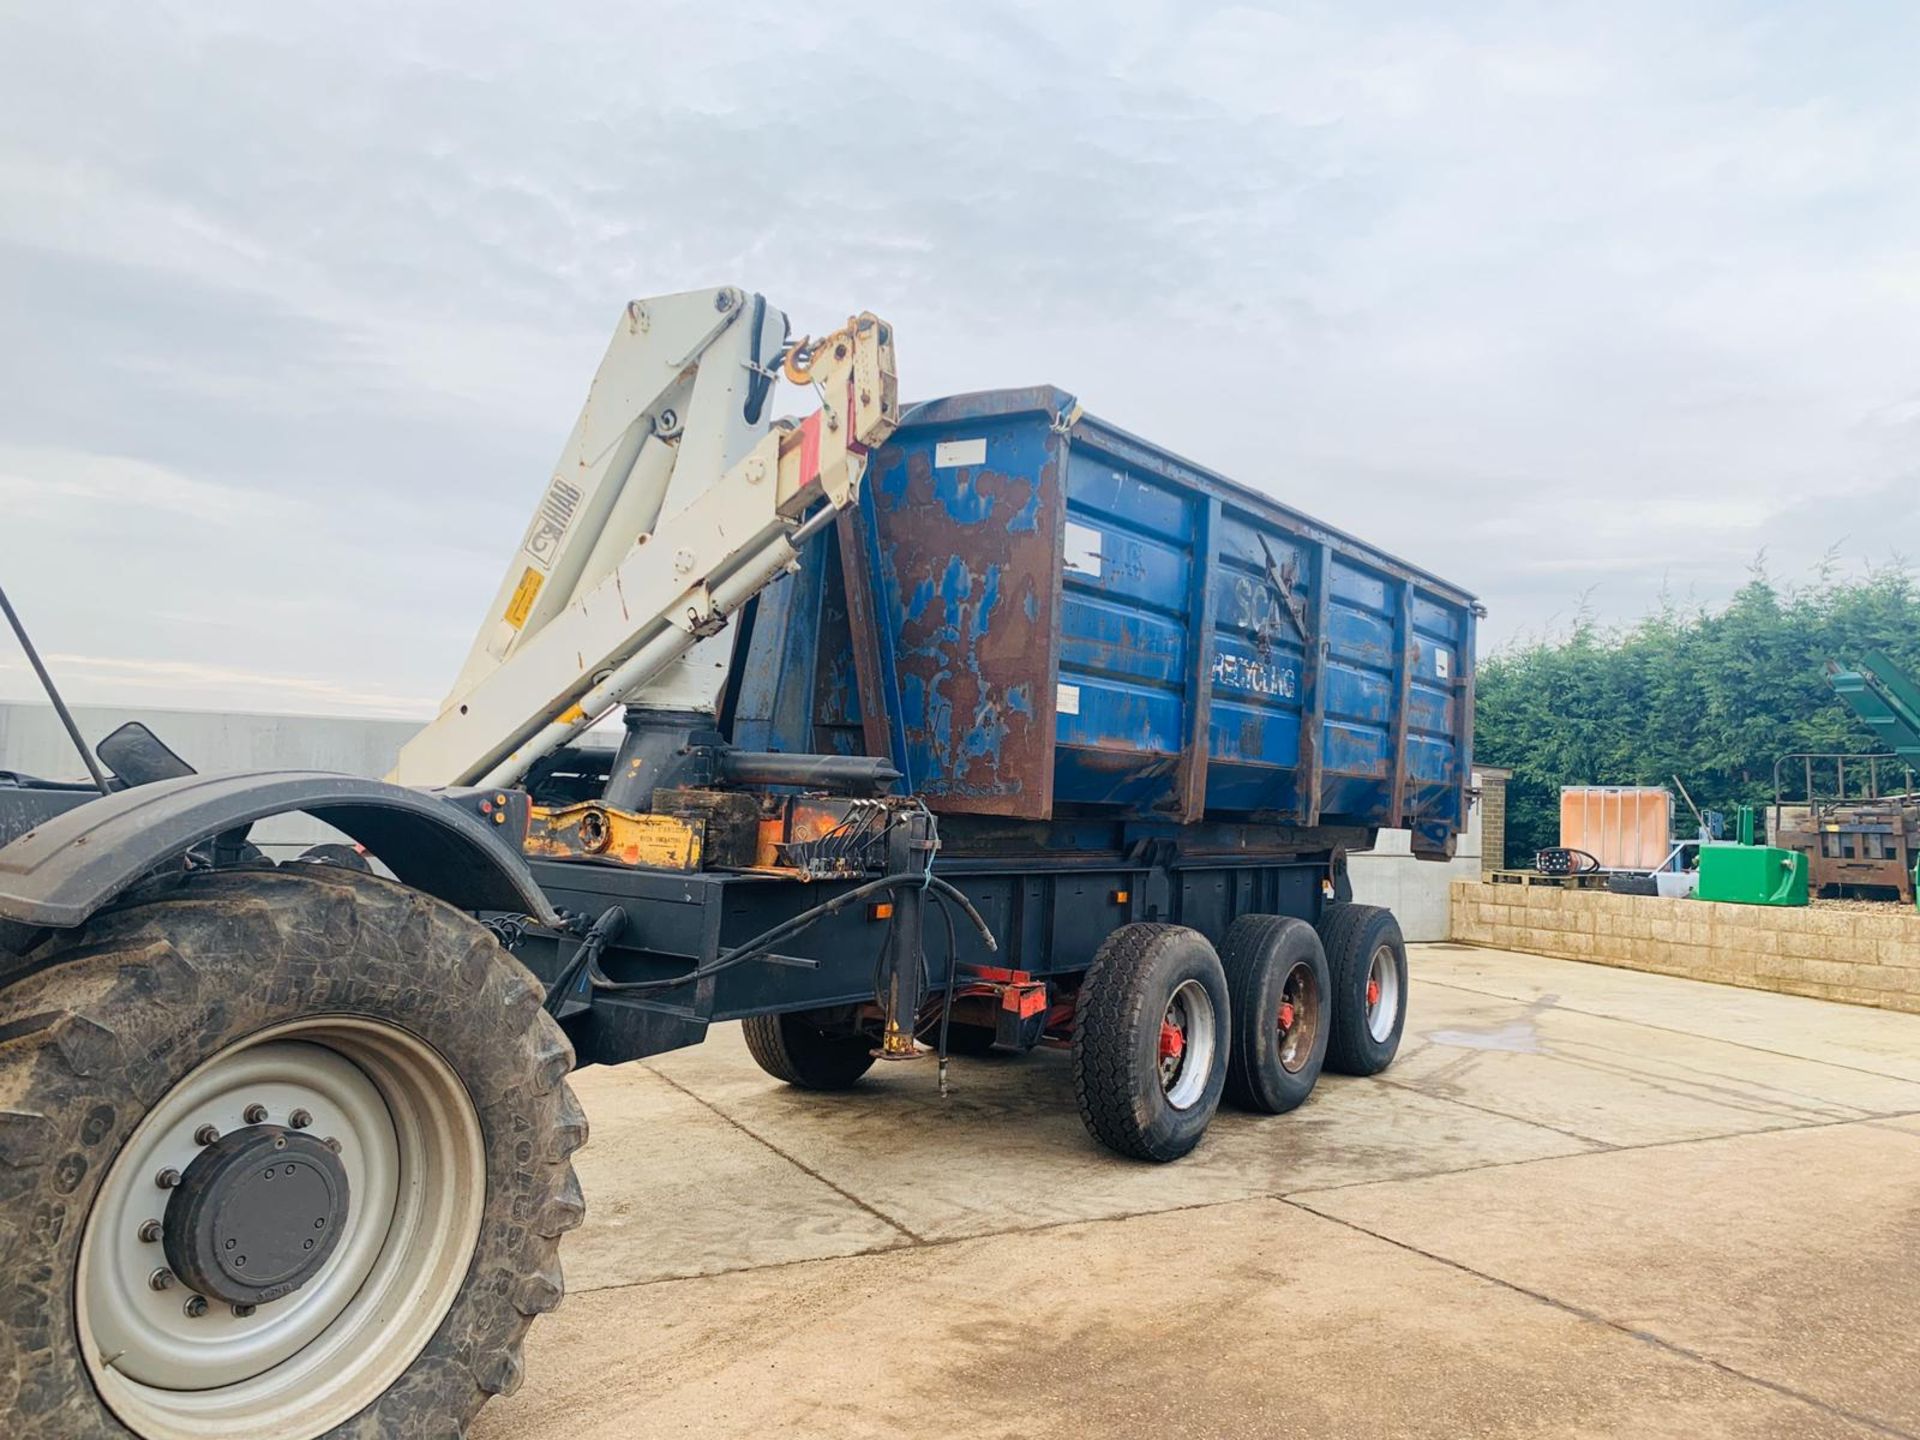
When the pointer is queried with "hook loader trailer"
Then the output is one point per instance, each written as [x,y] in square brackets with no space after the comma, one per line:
[976,724]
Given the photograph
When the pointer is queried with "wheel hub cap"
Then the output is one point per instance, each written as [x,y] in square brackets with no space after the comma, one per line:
[1185,1050]
[1173,1041]
[256,1215]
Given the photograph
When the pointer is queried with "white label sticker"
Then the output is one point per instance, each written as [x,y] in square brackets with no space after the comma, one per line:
[1066,699]
[949,453]
[1085,549]
[1440,663]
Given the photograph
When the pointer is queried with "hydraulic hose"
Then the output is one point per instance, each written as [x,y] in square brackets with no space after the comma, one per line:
[766,940]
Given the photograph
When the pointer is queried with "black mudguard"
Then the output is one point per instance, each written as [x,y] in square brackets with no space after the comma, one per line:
[70,865]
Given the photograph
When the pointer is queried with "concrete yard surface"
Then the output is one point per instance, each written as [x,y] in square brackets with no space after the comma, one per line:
[1584,1202]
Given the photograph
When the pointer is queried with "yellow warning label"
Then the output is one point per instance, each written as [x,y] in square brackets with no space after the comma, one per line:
[524,594]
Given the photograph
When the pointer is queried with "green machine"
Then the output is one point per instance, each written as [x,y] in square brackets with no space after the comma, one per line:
[1889,702]
[1745,873]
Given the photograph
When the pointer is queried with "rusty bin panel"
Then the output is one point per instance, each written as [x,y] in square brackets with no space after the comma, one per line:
[1066,619]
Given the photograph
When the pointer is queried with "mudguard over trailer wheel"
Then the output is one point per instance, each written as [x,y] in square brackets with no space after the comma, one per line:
[1278,983]
[223,1078]
[1369,964]
[1150,1041]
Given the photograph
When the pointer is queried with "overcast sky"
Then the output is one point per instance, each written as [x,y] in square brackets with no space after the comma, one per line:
[1559,301]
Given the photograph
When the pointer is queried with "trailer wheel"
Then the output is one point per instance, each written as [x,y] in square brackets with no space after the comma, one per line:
[1278,984]
[1369,964]
[1150,1041]
[280,1154]
[793,1048]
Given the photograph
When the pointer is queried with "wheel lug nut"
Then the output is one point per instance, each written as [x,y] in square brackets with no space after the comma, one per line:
[205,1135]
[167,1178]
[256,1114]
[149,1231]
[241,1312]
[195,1307]
[332,1144]
[300,1119]
[161,1279]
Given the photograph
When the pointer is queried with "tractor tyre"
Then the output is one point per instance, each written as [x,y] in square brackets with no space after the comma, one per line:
[282,1152]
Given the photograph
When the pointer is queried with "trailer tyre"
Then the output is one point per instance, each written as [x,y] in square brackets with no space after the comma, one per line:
[196,1072]
[1150,1041]
[793,1048]
[1369,964]
[1278,986]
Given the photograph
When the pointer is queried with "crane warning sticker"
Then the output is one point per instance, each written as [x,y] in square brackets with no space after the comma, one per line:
[949,453]
[1066,699]
[524,594]
[1086,550]
[550,525]
[1441,663]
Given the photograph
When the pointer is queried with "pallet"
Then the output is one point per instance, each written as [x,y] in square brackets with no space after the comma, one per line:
[1594,881]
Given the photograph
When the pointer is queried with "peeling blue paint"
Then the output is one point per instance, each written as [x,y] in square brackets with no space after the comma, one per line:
[955,586]
[956,491]
[918,601]
[989,602]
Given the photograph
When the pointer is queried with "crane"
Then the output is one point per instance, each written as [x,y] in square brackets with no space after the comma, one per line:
[674,501]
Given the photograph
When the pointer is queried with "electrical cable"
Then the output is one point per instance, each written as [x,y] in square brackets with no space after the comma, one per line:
[946,999]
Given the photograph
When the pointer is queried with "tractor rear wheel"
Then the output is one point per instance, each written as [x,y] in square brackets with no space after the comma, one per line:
[288,1153]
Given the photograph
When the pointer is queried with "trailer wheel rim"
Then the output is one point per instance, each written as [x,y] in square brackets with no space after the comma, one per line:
[1187,1065]
[1299,1019]
[175,1365]
[1383,993]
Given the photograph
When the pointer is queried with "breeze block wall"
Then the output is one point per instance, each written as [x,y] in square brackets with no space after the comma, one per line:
[1860,955]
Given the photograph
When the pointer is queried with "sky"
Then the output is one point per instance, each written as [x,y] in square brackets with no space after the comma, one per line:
[1572,305]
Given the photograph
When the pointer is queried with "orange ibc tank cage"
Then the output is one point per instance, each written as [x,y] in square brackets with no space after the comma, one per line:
[1626,827]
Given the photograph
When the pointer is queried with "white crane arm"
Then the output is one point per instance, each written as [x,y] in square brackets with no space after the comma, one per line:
[645,541]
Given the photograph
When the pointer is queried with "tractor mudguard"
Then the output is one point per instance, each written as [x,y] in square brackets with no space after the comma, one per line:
[66,868]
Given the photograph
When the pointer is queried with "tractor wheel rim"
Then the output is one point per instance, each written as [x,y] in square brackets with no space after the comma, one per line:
[1383,993]
[1299,1023]
[1184,1075]
[176,1365]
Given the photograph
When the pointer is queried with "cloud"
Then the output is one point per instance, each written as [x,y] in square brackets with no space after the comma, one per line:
[119,679]
[38,484]
[1550,301]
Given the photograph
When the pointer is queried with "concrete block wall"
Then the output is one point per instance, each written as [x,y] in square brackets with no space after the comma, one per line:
[1863,956]
[1493,819]
[1418,891]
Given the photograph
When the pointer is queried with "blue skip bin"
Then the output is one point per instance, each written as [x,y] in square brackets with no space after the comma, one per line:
[1074,621]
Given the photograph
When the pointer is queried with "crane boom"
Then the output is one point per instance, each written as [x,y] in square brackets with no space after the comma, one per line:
[674,502]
